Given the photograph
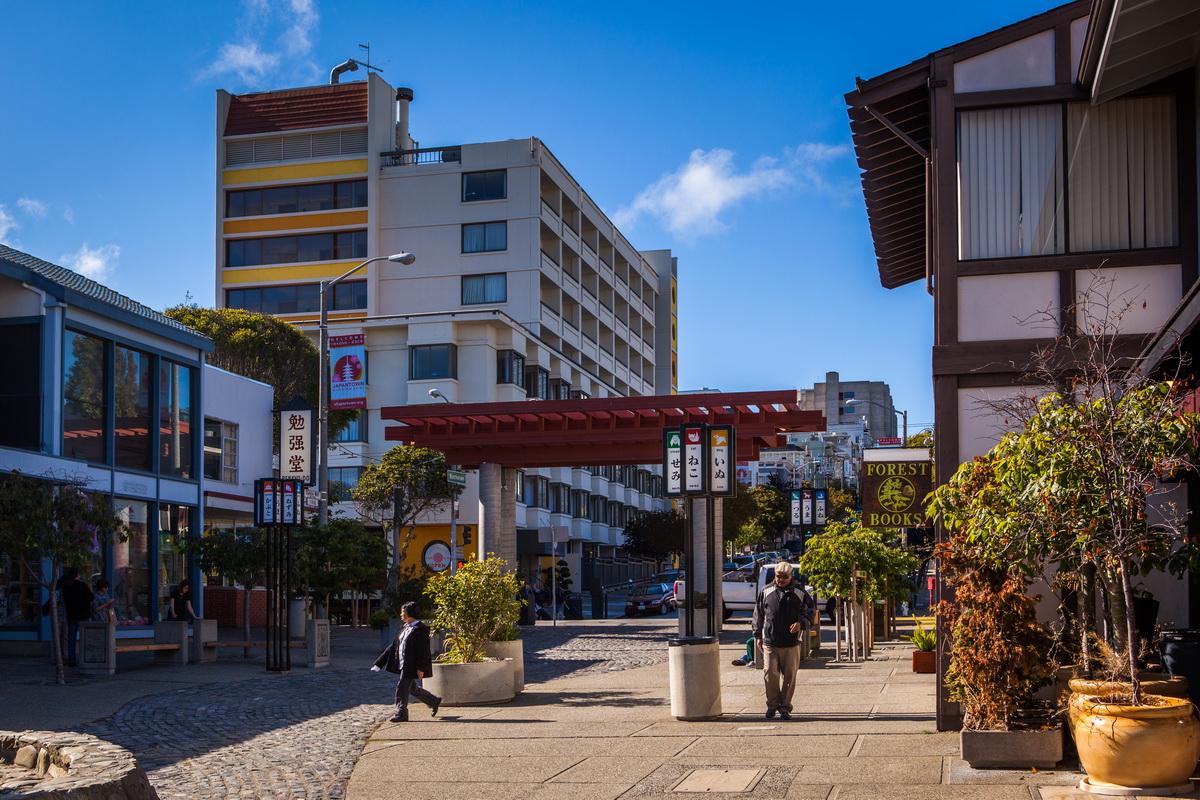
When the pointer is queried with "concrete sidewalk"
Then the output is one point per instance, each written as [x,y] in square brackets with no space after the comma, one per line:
[860,730]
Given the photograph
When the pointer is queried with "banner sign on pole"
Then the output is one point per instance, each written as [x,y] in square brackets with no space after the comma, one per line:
[797,519]
[348,371]
[721,446]
[278,502]
[820,499]
[693,459]
[296,437]
[672,462]
[806,506]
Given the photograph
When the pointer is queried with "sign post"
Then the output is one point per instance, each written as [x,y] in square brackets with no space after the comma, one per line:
[278,507]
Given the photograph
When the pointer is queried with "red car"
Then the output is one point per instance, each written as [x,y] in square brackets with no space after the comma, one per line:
[654,598]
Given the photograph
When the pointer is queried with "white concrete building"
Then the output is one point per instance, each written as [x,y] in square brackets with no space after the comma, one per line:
[522,287]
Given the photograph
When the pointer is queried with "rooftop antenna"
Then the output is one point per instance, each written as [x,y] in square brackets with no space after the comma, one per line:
[367,62]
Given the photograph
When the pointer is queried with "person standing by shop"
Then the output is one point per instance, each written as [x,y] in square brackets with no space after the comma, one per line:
[77,607]
[782,614]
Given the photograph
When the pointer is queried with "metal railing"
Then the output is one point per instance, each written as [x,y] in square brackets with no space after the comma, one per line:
[425,155]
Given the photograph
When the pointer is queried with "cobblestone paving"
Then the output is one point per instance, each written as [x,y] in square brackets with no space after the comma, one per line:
[297,736]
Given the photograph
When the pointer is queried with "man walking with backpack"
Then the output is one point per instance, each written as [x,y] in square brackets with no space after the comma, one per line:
[782,614]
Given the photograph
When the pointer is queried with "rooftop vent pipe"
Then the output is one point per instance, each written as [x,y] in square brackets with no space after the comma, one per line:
[349,65]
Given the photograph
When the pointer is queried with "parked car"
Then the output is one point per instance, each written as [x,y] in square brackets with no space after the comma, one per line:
[654,598]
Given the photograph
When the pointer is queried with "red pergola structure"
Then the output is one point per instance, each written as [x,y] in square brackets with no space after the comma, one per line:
[594,432]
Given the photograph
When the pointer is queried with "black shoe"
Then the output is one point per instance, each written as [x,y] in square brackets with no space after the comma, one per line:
[72,664]
[398,718]
[770,713]
[436,705]
[740,662]
[785,715]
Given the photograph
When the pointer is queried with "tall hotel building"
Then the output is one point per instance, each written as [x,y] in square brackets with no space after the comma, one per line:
[522,287]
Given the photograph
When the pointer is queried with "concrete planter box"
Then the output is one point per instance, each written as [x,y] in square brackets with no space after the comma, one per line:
[1012,749]
[477,683]
[515,650]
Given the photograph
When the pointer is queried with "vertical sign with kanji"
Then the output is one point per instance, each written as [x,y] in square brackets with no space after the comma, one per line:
[672,462]
[720,459]
[797,519]
[806,506]
[693,459]
[820,499]
[296,441]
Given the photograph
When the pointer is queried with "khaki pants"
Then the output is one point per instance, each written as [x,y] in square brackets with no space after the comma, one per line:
[779,675]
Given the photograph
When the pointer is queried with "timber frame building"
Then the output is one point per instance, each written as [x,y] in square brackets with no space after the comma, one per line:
[1010,171]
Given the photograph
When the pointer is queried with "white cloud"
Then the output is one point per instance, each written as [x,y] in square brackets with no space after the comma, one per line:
[690,201]
[95,263]
[251,58]
[35,208]
[7,223]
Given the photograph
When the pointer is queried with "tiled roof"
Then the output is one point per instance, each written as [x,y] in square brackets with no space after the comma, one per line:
[96,291]
[293,109]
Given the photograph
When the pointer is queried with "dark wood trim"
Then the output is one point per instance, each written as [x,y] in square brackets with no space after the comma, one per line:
[1066,302]
[1072,261]
[1185,140]
[1010,355]
[1019,97]
[886,86]
[1062,54]
[942,211]
[946,459]
[1017,31]
[993,380]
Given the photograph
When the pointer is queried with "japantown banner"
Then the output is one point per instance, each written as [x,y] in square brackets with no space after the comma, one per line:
[348,371]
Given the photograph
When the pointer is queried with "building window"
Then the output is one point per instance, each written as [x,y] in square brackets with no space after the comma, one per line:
[560,389]
[579,394]
[355,430]
[288,249]
[1113,166]
[220,450]
[537,492]
[347,477]
[295,199]
[580,501]
[484,237]
[21,397]
[537,383]
[432,361]
[656,486]
[520,486]
[510,367]
[304,298]
[484,288]
[133,394]
[560,498]
[175,419]
[85,398]
[615,512]
[489,185]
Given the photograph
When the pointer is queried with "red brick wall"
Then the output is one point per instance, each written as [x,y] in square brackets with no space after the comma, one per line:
[224,604]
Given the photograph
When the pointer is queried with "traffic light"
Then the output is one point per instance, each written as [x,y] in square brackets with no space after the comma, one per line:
[466,535]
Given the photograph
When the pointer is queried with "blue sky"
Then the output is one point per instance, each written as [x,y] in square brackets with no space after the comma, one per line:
[716,130]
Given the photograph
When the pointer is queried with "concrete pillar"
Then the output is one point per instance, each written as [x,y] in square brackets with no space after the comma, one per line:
[97,652]
[497,512]
[317,642]
[203,630]
[171,633]
[698,596]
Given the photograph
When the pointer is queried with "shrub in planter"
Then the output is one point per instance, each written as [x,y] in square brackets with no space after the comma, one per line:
[924,659]
[475,605]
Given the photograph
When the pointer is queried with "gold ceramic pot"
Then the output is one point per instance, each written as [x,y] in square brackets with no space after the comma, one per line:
[1152,683]
[1136,746]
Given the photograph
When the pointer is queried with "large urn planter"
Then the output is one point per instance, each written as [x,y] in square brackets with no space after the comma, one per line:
[472,683]
[1144,749]
[512,649]
[1153,683]
[1014,749]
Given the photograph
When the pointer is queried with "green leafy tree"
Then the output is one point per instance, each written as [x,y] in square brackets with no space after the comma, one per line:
[239,556]
[50,521]
[475,605]
[342,556]
[265,348]
[832,557]
[655,534]
[405,484]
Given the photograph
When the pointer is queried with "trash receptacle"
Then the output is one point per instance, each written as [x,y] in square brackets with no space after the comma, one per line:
[573,607]
[694,664]
[1180,650]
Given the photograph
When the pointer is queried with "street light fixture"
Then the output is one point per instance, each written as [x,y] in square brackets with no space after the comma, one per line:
[855,401]
[323,426]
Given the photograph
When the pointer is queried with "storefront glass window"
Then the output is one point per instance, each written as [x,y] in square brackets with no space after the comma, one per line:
[20,596]
[131,565]
[85,401]
[174,528]
[175,419]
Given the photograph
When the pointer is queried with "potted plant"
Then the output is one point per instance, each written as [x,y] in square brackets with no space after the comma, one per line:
[924,659]
[474,606]
[1000,653]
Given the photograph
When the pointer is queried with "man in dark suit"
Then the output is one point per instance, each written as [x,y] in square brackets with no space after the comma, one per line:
[409,657]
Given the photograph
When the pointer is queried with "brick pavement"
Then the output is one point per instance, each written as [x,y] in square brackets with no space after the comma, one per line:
[299,735]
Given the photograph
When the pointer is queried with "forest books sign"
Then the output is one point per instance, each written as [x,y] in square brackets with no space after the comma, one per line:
[894,486]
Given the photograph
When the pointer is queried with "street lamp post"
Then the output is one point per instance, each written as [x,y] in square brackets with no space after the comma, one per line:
[323,426]
[855,401]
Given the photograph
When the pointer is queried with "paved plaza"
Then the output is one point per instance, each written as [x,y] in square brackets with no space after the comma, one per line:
[594,722]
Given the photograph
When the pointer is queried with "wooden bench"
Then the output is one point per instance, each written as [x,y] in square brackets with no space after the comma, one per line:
[98,647]
[251,644]
[205,642]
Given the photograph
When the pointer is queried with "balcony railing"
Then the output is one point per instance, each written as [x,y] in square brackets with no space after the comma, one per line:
[425,155]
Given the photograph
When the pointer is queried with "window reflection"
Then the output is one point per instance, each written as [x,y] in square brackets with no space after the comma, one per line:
[131,565]
[174,528]
[175,419]
[132,396]
[84,398]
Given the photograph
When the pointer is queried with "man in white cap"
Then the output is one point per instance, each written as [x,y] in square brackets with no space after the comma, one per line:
[782,614]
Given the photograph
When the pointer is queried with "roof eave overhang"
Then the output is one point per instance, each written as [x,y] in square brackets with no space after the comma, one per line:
[1131,45]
